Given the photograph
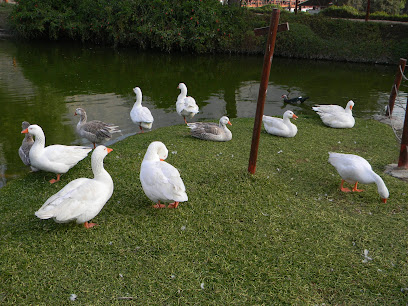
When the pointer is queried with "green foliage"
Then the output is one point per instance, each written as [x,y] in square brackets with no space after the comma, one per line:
[350,12]
[285,235]
[320,37]
[340,12]
[197,26]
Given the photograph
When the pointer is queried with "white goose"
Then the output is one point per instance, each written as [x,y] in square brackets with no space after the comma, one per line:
[335,116]
[95,131]
[185,106]
[56,158]
[211,131]
[353,169]
[160,180]
[281,127]
[81,199]
[139,114]
[26,145]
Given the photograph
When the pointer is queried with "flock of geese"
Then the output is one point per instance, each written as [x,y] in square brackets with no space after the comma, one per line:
[83,198]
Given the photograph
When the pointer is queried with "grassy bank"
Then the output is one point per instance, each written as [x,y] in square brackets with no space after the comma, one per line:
[207,27]
[284,235]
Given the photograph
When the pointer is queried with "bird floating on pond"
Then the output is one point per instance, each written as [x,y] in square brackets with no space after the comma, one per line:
[296,100]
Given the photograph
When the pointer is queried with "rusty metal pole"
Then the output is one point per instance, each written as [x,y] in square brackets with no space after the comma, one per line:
[270,47]
[368,10]
[403,158]
[395,87]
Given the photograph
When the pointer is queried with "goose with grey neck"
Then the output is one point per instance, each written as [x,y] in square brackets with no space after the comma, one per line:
[27,143]
[95,131]
[210,130]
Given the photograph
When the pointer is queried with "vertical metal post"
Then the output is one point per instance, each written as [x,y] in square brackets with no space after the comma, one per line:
[403,158]
[270,47]
[368,10]
[296,6]
[395,86]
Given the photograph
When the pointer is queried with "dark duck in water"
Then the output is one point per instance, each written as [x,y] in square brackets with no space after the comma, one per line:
[296,100]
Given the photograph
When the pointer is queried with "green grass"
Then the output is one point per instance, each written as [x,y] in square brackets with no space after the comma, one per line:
[285,235]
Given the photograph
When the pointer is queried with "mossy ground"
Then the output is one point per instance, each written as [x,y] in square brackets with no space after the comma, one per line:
[284,235]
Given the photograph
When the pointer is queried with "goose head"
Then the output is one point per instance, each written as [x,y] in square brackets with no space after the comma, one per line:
[100,152]
[383,192]
[182,87]
[289,114]
[137,91]
[24,125]
[156,150]
[224,121]
[80,112]
[35,130]
[350,105]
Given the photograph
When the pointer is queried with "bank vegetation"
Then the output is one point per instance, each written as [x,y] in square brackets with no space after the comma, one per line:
[196,26]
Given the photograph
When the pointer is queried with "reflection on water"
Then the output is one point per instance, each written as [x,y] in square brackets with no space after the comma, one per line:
[44,83]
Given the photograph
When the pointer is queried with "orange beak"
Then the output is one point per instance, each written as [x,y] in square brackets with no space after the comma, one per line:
[229,122]
[351,106]
[295,117]
[161,159]
[109,150]
[75,114]
[384,200]
[25,131]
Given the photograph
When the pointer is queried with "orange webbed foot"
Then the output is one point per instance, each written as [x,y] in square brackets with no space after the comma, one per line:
[158,205]
[173,205]
[355,188]
[89,225]
[55,180]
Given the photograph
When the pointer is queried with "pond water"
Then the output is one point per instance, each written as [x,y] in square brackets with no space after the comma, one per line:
[44,83]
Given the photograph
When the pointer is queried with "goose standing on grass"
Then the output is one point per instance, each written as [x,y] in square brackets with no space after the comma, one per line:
[26,145]
[139,114]
[335,116]
[185,106]
[81,199]
[95,131]
[161,181]
[211,131]
[56,158]
[281,127]
[353,169]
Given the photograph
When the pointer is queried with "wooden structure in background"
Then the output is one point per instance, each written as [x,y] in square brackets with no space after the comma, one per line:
[395,86]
